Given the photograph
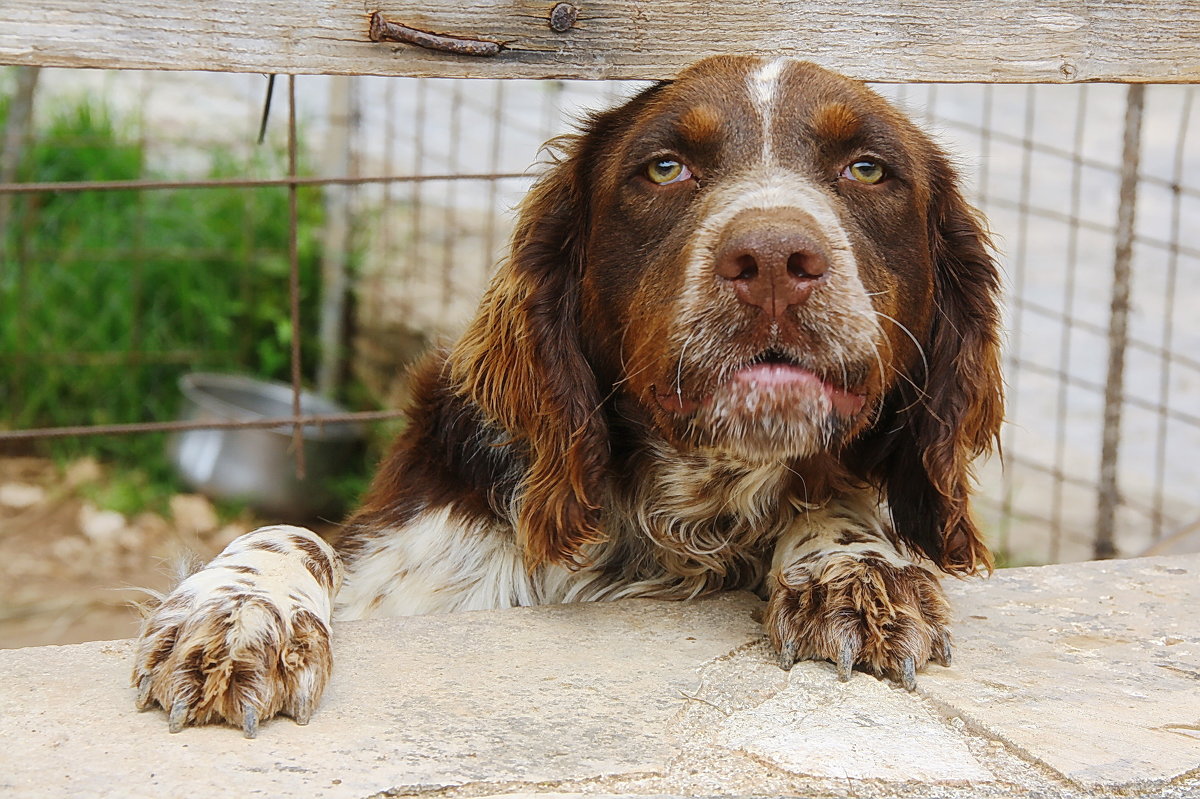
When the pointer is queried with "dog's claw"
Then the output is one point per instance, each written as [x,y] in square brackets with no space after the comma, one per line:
[942,650]
[908,674]
[143,701]
[303,711]
[178,716]
[249,721]
[787,655]
[845,663]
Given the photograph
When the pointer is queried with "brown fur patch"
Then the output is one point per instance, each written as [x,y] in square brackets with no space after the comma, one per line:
[835,122]
[161,648]
[316,561]
[848,537]
[175,603]
[267,545]
[885,613]
[701,125]
[521,363]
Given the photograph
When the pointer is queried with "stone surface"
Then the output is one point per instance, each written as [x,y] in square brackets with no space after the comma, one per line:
[1093,669]
[102,527]
[861,729]
[1069,682]
[194,514]
[21,495]
[529,695]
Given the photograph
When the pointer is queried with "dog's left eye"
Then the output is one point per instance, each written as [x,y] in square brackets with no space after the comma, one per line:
[667,171]
[865,171]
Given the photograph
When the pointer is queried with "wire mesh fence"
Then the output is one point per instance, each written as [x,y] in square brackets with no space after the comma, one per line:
[1094,354]
[423,174]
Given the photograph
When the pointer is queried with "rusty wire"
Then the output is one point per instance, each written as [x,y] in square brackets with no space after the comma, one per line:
[292,182]
[243,183]
[1027,204]
[294,280]
[1042,505]
[177,427]
[1068,155]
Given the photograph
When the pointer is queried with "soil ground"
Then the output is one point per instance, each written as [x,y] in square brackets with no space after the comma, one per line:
[71,571]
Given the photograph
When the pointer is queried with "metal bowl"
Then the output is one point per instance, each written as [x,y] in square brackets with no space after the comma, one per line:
[256,466]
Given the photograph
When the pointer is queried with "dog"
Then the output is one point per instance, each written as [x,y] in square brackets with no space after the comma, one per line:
[746,337]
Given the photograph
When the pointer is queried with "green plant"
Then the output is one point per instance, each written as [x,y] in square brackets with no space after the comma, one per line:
[108,297]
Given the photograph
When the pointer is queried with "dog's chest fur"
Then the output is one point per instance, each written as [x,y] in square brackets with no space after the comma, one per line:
[684,528]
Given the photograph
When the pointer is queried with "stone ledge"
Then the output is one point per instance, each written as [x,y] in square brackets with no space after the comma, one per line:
[1069,681]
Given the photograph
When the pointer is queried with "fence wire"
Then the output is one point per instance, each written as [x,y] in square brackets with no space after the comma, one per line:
[1048,175]
[437,166]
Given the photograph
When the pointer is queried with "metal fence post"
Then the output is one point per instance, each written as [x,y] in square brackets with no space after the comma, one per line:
[1118,326]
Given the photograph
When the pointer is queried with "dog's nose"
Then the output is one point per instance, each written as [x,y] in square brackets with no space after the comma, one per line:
[772,263]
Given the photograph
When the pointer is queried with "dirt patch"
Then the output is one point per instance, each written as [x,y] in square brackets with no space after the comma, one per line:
[71,571]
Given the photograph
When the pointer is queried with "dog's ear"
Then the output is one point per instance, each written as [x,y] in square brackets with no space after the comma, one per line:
[940,422]
[521,363]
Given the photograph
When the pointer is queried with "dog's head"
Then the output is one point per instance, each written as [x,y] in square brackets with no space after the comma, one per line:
[764,260]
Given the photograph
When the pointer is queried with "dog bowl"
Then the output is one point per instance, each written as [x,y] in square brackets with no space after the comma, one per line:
[256,465]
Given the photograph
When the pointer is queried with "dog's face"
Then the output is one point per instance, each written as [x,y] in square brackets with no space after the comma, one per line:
[758,263]
[760,259]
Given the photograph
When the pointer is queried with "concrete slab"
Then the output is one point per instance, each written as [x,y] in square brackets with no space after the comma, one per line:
[1070,682]
[864,729]
[1092,669]
[552,693]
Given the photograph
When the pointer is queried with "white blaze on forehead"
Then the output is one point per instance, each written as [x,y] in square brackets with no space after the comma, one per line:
[764,86]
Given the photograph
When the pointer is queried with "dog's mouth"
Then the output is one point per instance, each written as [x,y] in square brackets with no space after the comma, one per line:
[775,372]
[773,368]
[775,377]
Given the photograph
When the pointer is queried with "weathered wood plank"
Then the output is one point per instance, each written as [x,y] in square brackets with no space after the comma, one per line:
[879,40]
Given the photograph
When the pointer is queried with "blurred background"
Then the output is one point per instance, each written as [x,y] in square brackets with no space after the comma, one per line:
[147,236]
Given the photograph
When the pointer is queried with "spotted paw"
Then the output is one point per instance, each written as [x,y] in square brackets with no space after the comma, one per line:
[246,637]
[859,612]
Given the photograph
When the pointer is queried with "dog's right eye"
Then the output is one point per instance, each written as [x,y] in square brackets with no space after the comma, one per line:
[667,171]
[865,171]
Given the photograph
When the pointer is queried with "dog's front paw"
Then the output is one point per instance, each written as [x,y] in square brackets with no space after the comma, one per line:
[245,638]
[859,611]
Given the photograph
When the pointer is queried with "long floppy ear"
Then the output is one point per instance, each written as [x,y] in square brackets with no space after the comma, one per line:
[937,430]
[521,362]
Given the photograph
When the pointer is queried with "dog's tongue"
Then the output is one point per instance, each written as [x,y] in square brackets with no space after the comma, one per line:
[783,376]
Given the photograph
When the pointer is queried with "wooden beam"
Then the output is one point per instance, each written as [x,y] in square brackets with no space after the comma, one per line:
[879,40]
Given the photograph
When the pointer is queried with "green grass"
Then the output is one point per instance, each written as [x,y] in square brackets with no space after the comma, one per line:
[108,297]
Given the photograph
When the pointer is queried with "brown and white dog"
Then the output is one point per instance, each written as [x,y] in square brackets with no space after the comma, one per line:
[746,337]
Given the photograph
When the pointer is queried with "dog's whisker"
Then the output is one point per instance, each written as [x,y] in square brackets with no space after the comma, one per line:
[909,333]
[679,365]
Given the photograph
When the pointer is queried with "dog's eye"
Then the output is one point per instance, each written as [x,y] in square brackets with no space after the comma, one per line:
[667,171]
[865,172]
